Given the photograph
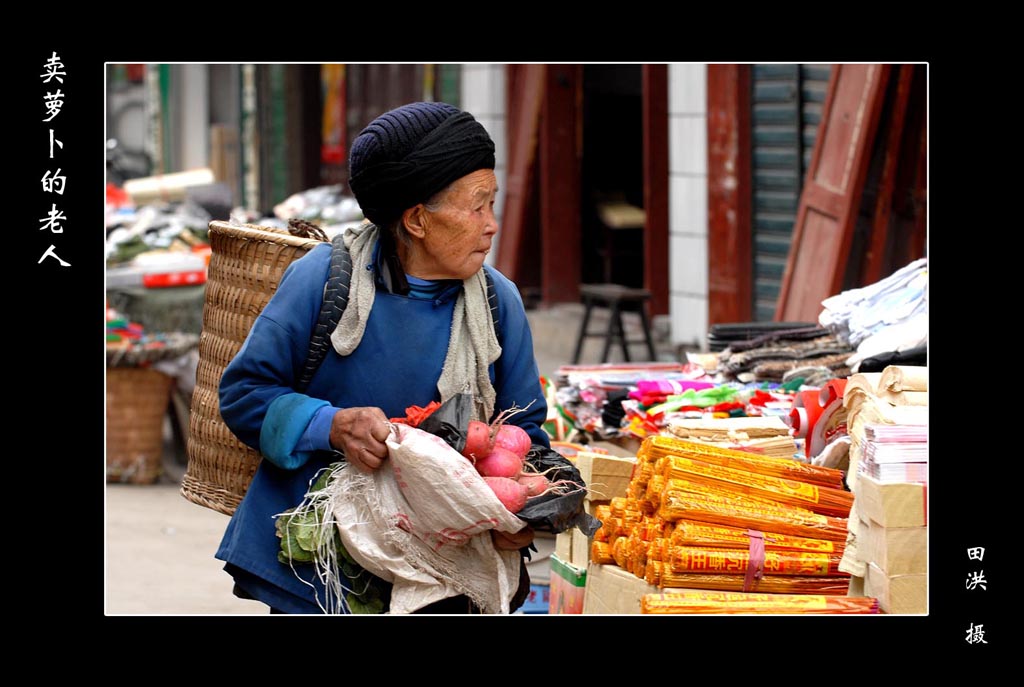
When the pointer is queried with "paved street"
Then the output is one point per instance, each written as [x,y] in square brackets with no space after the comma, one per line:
[160,554]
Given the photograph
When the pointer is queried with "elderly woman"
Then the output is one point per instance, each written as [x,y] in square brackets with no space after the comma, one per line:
[417,329]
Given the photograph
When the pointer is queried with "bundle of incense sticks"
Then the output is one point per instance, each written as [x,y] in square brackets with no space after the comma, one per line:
[683,500]
[601,553]
[693,533]
[821,500]
[657,446]
[686,559]
[741,602]
[660,574]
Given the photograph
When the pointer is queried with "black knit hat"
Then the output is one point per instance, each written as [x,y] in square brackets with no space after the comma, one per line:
[408,154]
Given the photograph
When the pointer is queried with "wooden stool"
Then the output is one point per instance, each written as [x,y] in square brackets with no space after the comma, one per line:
[614,297]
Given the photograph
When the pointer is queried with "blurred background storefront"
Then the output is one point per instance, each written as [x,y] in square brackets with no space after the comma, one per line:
[684,179]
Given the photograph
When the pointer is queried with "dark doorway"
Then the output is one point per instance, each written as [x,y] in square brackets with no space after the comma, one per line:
[611,193]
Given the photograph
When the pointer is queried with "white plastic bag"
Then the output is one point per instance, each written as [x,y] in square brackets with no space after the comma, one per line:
[422,522]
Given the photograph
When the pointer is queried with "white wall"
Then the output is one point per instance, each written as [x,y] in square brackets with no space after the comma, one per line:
[483,96]
[688,204]
[192,113]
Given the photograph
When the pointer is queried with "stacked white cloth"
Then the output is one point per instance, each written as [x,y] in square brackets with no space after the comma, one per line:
[894,309]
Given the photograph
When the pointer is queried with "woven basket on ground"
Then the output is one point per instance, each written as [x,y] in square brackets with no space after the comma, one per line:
[137,399]
[246,265]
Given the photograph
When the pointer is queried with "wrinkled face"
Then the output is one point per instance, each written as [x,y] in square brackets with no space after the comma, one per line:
[458,231]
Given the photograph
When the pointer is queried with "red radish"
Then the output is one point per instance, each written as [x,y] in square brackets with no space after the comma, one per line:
[478,440]
[535,483]
[514,438]
[499,463]
[511,493]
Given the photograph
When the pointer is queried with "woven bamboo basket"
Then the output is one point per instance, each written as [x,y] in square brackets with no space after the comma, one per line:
[137,399]
[246,265]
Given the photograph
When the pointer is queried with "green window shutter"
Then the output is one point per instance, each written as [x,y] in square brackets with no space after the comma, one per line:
[277,133]
[449,79]
[786,109]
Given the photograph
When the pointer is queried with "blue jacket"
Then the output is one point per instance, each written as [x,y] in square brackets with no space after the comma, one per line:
[396,365]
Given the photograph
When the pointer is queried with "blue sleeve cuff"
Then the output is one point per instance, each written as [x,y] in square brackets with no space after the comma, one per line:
[317,436]
[287,421]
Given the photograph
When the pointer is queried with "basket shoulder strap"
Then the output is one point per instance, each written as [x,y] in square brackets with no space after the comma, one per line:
[339,277]
[492,301]
[336,299]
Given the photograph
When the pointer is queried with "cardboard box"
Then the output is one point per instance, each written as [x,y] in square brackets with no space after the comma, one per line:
[580,549]
[856,586]
[621,449]
[612,590]
[897,594]
[578,545]
[573,547]
[899,504]
[568,585]
[896,550]
[605,476]
[563,544]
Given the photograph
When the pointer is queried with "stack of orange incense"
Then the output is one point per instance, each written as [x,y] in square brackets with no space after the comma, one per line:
[740,602]
[708,518]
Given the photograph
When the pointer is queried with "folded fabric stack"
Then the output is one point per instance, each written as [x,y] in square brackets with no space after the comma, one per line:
[651,392]
[716,402]
[585,402]
[886,322]
[773,356]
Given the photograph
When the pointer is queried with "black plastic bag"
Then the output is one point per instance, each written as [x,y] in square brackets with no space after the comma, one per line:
[557,512]
[552,512]
[451,421]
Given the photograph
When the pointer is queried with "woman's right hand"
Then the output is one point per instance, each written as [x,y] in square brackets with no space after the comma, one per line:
[360,433]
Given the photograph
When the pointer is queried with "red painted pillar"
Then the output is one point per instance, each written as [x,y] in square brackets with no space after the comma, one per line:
[560,232]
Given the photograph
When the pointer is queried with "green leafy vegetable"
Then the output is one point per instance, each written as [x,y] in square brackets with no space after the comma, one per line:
[302,537]
[357,606]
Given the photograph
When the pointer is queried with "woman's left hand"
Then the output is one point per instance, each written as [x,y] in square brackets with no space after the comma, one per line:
[512,541]
[360,434]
